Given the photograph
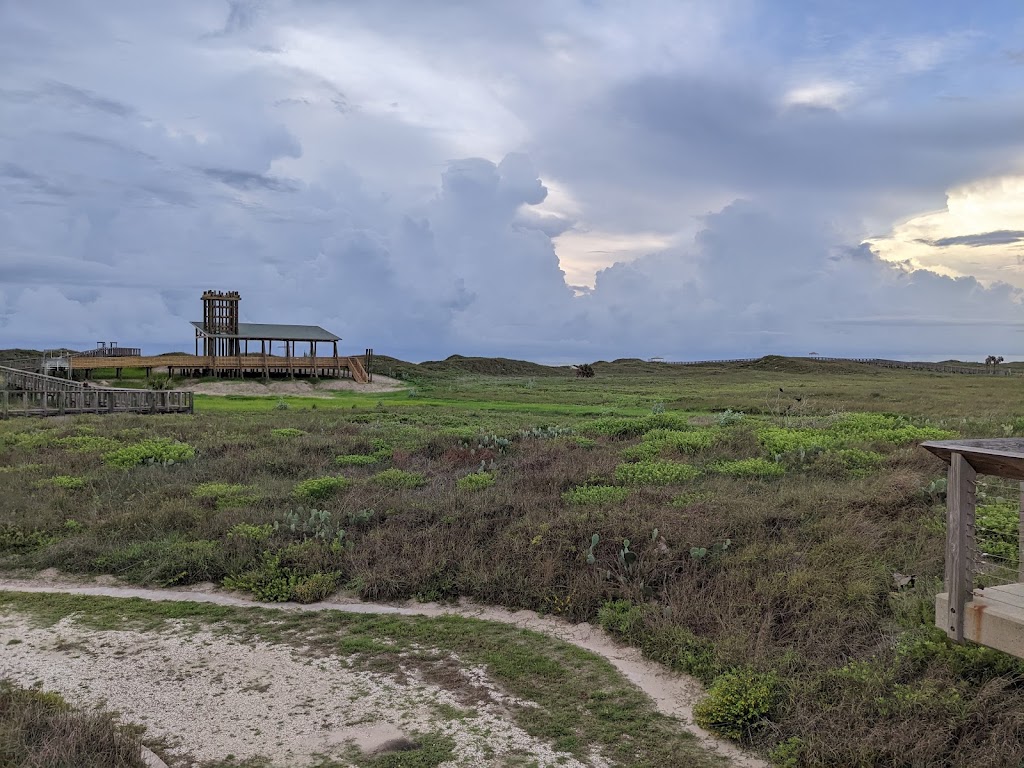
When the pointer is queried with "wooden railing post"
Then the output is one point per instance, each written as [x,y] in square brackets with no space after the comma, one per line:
[960,507]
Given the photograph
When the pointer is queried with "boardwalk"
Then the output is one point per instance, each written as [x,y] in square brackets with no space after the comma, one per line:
[23,393]
[251,365]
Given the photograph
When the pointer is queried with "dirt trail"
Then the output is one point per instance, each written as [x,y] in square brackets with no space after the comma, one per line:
[673,694]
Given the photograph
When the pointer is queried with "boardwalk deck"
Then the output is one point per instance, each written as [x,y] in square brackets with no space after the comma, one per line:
[245,365]
[32,394]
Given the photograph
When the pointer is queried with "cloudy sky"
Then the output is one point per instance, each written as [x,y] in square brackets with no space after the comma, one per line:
[560,181]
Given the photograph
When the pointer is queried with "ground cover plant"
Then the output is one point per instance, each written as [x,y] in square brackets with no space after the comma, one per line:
[761,546]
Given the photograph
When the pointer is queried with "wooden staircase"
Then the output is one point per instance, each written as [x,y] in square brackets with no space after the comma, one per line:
[358,371]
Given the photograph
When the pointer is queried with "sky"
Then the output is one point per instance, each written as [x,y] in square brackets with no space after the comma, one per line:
[562,181]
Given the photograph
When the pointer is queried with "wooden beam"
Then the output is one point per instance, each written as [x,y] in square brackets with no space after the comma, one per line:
[961,500]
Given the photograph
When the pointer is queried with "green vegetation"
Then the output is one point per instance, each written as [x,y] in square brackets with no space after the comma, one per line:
[40,730]
[320,488]
[725,572]
[737,702]
[399,478]
[356,460]
[287,432]
[655,473]
[67,482]
[154,451]
[475,481]
[596,494]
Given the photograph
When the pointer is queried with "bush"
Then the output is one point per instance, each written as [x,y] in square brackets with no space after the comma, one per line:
[655,473]
[356,460]
[268,582]
[287,432]
[314,588]
[596,495]
[736,702]
[166,561]
[40,729]
[399,478]
[759,468]
[634,427]
[476,481]
[319,488]
[155,451]
[217,490]
[622,619]
[17,540]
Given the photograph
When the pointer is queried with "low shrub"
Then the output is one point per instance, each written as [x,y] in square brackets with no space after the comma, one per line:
[165,561]
[622,619]
[314,588]
[356,460]
[753,468]
[634,427]
[275,581]
[596,495]
[39,729]
[475,481]
[154,451]
[226,495]
[287,432]
[217,490]
[14,540]
[737,701]
[319,488]
[399,478]
[655,473]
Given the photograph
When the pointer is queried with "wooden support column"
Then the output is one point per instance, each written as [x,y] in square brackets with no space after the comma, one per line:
[312,354]
[337,362]
[960,507]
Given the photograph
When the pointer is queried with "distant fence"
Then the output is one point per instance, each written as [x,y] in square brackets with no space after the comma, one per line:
[878,362]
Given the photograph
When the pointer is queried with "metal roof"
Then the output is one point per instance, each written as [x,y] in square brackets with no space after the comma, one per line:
[274,332]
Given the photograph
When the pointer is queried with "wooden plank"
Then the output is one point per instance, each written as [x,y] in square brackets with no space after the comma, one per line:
[960,508]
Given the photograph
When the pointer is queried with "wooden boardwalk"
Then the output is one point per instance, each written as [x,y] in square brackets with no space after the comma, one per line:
[23,393]
[232,365]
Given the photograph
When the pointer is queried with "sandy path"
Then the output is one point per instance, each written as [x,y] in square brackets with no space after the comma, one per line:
[299,387]
[672,694]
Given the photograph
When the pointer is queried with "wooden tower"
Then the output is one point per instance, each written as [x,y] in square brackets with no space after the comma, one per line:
[220,316]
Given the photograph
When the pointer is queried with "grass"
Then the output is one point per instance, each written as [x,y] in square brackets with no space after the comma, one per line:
[583,702]
[40,730]
[764,543]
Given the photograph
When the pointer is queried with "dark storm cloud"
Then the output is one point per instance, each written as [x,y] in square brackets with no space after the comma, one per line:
[999,237]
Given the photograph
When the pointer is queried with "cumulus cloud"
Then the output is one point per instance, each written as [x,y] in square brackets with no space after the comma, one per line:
[453,179]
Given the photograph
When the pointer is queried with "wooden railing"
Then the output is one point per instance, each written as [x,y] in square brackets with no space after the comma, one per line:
[31,394]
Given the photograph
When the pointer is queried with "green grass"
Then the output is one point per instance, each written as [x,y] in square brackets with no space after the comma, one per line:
[790,575]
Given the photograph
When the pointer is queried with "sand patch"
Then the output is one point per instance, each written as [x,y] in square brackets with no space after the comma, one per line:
[211,696]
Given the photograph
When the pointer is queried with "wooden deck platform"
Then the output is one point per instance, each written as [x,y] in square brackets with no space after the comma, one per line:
[234,365]
[994,616]
[31,394]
